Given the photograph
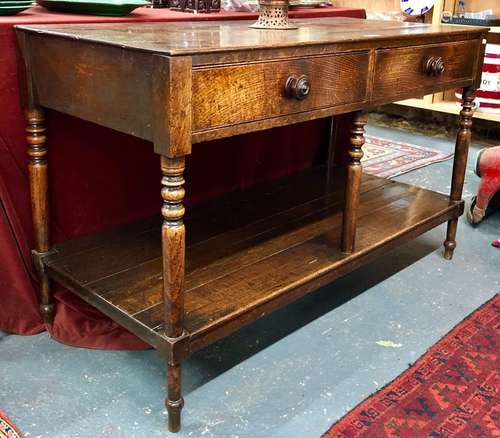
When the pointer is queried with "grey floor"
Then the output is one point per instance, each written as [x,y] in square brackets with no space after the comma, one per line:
[289,375]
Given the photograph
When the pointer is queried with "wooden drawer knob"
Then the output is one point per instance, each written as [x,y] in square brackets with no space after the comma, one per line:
[435,66]
[297,87]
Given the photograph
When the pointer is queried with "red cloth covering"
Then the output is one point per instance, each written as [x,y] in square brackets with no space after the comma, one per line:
[100,178]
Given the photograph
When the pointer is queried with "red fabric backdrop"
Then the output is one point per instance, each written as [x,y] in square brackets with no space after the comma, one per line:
[100,178]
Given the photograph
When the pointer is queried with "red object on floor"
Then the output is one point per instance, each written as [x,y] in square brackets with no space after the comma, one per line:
[96,181]
[496,243]
[451,391]
[7,427]
[488,169]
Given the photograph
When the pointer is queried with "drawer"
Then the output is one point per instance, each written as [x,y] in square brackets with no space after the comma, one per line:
[236,94]
[406,71]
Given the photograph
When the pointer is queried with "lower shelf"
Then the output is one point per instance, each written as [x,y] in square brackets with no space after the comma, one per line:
[247,254]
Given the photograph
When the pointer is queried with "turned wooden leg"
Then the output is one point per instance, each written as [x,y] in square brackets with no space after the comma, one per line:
[459,166]
[37,151]
[353,182]
[174,401]
[173,244]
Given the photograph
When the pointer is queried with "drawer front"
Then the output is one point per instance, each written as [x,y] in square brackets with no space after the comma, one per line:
[400,72]
[231,95]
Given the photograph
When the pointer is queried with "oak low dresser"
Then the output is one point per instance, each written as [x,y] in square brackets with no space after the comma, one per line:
[182,281]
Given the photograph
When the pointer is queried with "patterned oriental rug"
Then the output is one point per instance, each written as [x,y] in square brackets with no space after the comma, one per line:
[451,391]
[7,428]
[389,158]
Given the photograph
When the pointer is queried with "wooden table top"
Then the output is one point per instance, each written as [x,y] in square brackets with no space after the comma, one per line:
[227,36]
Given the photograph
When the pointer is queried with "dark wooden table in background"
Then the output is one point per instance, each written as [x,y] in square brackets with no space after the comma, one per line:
[253,251]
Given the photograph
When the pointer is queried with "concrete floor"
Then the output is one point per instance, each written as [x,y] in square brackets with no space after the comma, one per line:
[290,375]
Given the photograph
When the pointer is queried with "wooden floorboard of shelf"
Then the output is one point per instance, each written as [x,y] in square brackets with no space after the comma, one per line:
[447,107]
[247,254]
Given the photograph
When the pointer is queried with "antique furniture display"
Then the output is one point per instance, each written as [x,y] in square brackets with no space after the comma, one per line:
[229,262]
[73,324]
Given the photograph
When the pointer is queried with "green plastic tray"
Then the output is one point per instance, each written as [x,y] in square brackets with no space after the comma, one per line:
[110,8]
[13,10]
[16,3]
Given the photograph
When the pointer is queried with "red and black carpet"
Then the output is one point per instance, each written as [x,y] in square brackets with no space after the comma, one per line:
[7,428]
[390,158]
[451,391]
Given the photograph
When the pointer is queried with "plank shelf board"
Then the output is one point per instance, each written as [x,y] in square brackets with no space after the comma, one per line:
[247,254]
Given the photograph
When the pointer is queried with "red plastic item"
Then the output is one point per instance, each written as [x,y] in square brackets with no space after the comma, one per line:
[488,169]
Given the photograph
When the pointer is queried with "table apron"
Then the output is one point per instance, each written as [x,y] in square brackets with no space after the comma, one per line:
[102,83]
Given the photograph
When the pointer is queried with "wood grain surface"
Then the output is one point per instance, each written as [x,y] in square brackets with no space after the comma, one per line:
[256,91]
[226,37]
[239,264]
[98,70]
[400,71]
